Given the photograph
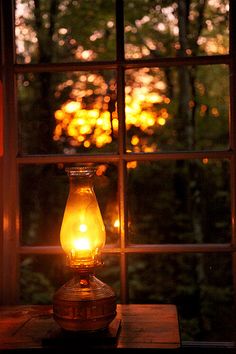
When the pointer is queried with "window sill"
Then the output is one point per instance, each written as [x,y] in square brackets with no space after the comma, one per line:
[141,327]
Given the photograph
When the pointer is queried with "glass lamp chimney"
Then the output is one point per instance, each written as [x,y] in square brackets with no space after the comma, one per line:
[82,232]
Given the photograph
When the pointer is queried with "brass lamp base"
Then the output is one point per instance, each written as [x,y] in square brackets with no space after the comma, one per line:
[84,303]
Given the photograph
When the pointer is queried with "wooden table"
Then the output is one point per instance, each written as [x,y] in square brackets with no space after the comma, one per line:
[141,327]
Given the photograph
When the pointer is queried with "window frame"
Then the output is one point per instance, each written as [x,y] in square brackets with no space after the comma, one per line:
[10,160]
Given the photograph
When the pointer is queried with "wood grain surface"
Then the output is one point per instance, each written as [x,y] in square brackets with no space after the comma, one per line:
[140,327]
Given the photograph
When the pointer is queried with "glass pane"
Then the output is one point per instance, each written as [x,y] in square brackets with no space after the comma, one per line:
[64,31]
[183,108]
[169,28]
[43,194]
[200,285]
[42,275]
[67,113]
[183,201]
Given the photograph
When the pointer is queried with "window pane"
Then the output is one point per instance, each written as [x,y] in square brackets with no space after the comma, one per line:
[183,201]
[169,28]
[199,284]
[64,31]
[43,194]
[42,275]
[67,113]
[183,108]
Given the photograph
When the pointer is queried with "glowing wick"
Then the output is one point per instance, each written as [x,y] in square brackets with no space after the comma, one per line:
[83,228]
[82,244]
[117,223]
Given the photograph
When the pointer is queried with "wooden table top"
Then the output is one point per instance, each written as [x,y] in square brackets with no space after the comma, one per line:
[140,327]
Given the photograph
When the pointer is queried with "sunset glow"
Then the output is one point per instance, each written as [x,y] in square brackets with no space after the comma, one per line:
[95,125]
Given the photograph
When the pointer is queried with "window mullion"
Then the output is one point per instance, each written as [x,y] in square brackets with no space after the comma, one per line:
[9,172]
[121,147]
[232,131]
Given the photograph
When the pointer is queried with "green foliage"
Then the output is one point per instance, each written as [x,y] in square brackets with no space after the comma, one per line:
[63,27]
[36,287]
[43,207]
[192,282]
[188,202]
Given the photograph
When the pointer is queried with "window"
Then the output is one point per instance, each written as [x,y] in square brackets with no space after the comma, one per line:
[146,90]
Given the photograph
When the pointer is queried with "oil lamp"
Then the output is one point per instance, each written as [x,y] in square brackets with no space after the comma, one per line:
[84,303]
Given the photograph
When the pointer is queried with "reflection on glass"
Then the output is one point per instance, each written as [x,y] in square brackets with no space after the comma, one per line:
[43,194]
[183,201]
[176,28]
[57,31]
[67,112]
[41,275]
[200,285]
[183,108]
